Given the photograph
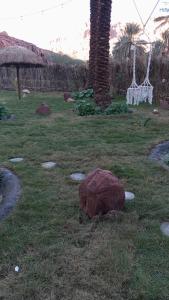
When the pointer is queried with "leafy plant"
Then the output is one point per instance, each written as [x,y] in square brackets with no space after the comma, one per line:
[4,114]
[118,108]
[98,110]
[83,94]
[85,107]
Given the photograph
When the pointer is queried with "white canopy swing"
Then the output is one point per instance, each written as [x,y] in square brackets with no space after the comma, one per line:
[146,89]
[137,94]
[144,92]
[132,91]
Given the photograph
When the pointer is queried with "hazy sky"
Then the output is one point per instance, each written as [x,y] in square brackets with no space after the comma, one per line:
[62,26]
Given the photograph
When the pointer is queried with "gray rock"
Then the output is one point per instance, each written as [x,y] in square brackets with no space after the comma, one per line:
[10,191]
[165,228]
[16,159]
[160,151]
[48,165]
[78,176]
[129,196]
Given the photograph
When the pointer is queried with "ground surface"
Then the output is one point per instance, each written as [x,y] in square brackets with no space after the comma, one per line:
[125,257]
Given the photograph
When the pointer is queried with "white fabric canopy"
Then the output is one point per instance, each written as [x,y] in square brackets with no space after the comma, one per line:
[140,93]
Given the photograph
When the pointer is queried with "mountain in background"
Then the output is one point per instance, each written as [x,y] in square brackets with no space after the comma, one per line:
[61,58]
[48,56]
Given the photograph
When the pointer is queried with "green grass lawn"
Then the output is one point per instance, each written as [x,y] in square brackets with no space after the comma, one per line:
[121,258]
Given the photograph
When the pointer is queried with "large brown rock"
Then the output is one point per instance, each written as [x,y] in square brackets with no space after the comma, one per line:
[100,193]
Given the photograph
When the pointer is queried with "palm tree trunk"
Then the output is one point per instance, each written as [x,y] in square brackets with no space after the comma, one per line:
[94,13]
[102,82]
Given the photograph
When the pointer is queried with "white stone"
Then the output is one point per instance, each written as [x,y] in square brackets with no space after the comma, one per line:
[78,176]
[25,91]
[16,159]
[70,100]
[165,228]
[129,196]
[16,269]
[48,165]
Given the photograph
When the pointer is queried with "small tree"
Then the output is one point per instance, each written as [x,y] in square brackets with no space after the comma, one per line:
[161,47]
[158,47]
[122,48]
[165,38]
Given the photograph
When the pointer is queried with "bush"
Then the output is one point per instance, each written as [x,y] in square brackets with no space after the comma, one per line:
[4,114]
[87,107]
[114,109]
[86,94]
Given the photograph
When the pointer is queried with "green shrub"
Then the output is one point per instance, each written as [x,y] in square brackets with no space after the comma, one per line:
[4,114]
[85,108]
[118,108]
[83,94]
[98,110]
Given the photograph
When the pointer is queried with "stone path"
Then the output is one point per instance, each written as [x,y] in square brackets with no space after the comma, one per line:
[160,152]
[165,228]
[10,191]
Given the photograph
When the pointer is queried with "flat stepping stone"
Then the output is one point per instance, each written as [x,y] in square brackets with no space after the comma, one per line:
[48,165]
[16,159]
[78,176]
[129,196]
[160,151]
[165,228]
[10,191]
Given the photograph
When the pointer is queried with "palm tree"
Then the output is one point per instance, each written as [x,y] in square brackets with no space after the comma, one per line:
[161,47]
[164,21]
[165,37]
[132,29]
[102,82]
[158,48]
[94,13]
[122,48]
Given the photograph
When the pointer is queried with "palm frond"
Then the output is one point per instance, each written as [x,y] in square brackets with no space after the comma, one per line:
[163,19]
[161,25]
[131,29]
[159,19]
[141,42]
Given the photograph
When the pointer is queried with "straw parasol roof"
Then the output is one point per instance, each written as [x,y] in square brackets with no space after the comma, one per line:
[20,57]
[17,55]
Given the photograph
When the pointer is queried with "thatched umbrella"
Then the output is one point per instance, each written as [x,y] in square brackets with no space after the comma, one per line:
[20,57]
